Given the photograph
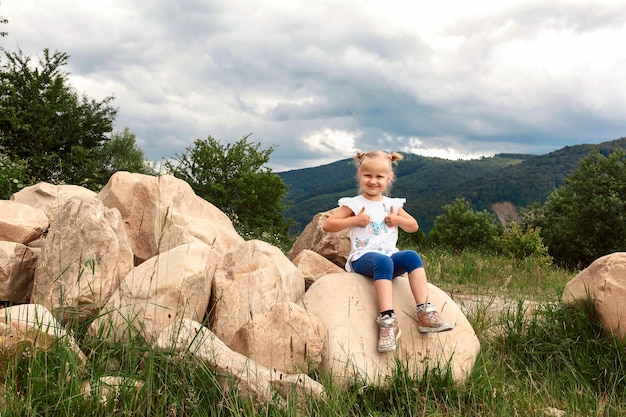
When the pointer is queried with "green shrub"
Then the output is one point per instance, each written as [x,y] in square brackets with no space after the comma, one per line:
[519,244]
[460,227]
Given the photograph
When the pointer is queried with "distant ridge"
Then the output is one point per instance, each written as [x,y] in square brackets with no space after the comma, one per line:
[430,183]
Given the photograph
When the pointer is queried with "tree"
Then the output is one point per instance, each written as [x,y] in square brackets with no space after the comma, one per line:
[11,175]
[121,153]
[44,122]
[586,217]
[460,227]
[235,179]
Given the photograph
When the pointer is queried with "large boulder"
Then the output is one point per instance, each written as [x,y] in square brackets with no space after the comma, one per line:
[604,284]
[50,198]
[347,306]
[165,289]
[161,213]
[83,259]
[21,223]
[286,337]
[333,246]
[17,272]
[249,280]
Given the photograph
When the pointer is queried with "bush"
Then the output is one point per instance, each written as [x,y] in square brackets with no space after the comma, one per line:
[519,244]
[461,227]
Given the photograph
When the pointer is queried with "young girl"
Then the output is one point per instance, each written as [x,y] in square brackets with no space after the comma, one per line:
[373,219]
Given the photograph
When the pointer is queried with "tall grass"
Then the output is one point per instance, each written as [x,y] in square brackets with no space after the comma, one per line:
[472,272]
[555,361]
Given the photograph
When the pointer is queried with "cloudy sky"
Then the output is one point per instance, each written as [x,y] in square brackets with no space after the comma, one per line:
[322,79]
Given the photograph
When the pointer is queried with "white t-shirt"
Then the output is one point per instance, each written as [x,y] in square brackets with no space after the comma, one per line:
[376,236]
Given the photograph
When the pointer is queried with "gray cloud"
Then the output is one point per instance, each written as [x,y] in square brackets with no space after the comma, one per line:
[319,80]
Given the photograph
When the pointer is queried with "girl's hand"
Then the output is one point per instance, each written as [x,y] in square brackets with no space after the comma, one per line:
[343,218]
[362,219]
[391,220]
[403,220]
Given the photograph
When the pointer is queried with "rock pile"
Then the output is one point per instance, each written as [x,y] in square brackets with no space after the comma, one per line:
[147,258]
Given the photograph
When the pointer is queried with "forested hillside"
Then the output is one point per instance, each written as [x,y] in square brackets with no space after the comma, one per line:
[430,183]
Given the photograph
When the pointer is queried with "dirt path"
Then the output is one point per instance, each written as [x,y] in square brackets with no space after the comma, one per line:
[492,305]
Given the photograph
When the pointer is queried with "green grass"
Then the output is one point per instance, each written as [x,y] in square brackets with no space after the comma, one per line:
[555,359]
[478,273]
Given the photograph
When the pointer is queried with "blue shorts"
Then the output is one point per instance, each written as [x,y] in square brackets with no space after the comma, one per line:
[379,266]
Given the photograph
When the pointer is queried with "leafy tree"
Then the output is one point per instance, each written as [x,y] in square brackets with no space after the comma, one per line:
[11,175]
[586,217]
[460,227]
[234,178]
[44,122]
[121,153]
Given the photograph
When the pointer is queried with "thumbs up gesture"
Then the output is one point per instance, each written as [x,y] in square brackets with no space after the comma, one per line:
[362,219]
[391,219]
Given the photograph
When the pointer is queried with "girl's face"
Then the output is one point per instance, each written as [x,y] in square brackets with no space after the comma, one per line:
[374,178]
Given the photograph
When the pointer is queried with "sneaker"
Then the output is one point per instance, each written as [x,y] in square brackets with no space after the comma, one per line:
[389,333]
[429,320]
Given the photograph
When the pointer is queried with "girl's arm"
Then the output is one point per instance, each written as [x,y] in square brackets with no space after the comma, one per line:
[343,218]
[403,220]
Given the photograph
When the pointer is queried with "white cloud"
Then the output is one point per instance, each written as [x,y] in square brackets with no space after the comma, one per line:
[330,141]
[443,147]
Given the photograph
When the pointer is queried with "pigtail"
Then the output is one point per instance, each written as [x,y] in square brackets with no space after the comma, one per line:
[395,157]
[360,156]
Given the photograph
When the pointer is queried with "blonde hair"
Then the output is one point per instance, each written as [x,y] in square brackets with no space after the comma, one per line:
[361,157]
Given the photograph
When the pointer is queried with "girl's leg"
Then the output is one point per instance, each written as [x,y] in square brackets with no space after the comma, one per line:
[410,261]
[419,285]
[379,267]
[384,293]
[428,318]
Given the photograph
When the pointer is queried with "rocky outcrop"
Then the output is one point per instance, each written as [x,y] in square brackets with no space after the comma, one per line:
[506,212]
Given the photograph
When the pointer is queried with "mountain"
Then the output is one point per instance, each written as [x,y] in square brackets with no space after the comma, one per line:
[430,183]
